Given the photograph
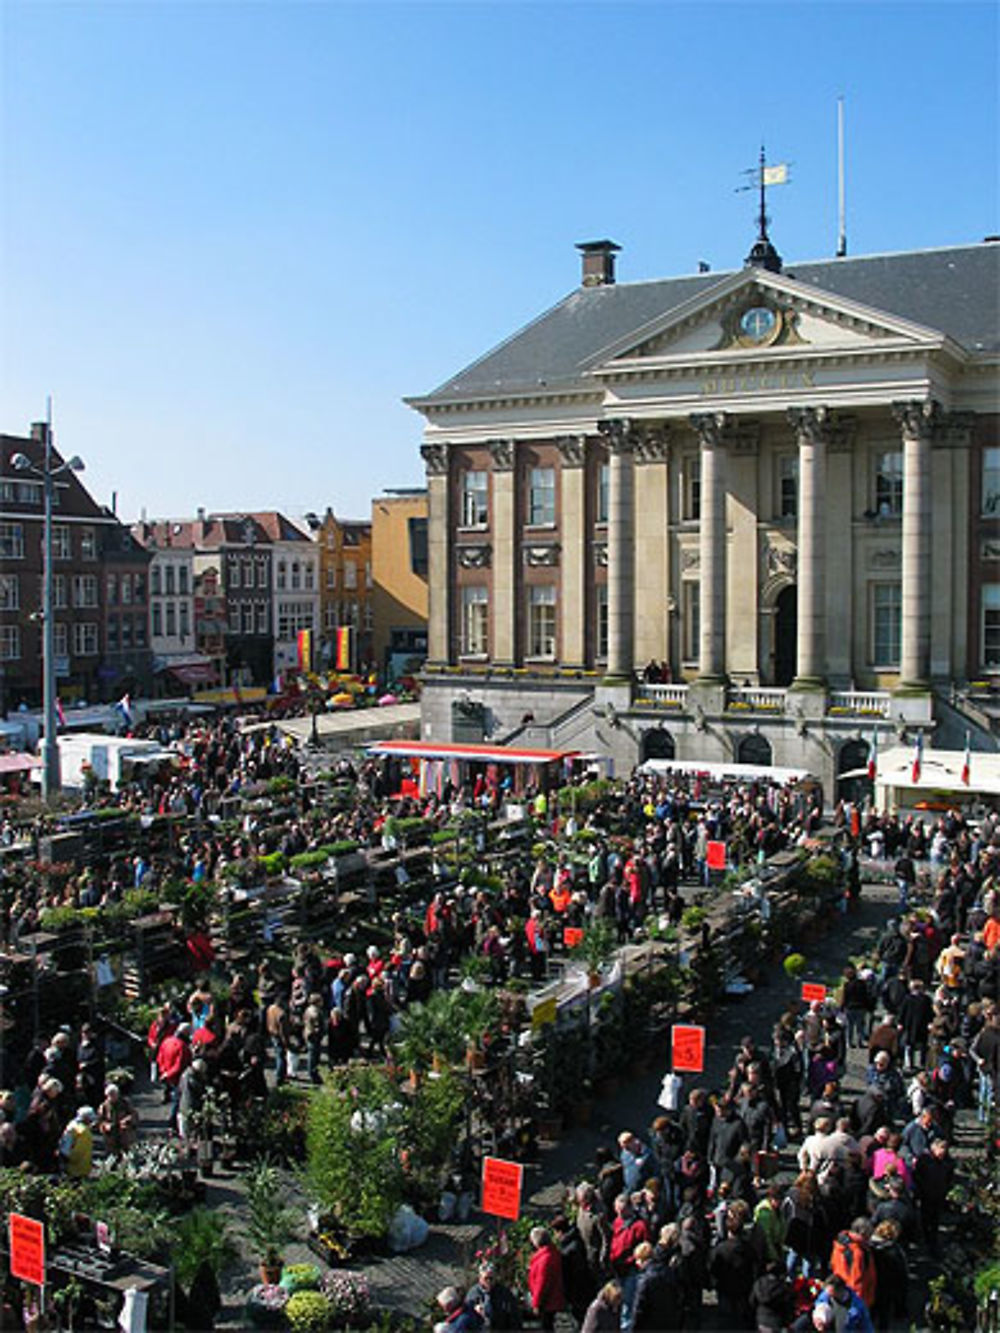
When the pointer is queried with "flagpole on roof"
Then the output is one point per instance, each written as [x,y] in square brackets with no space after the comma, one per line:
[841,210]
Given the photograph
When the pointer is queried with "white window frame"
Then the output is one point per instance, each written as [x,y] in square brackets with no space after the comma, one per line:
[260,617]
[690,620]
[542,497]
[542,621]
[788,486]
[888,483]
[84,590]
[888,658]
[691,493]
[350,574]
[60,638]
[475,498]
[10,643]
[157,619]
[11,541]
[62,542]
[85,643]
[475,620]
[88,544]
[170,620]
[10,592]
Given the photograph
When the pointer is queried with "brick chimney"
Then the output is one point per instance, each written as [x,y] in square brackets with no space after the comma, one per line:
[598,262]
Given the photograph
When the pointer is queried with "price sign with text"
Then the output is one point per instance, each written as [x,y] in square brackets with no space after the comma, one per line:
[715,855]
[27,1248]
[502,1188]
[687,1049]
[812,990]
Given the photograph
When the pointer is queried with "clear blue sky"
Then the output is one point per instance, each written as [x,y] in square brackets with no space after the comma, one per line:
[235,235]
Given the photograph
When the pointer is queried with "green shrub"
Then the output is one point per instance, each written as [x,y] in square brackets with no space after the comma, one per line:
[300,1277]
[794,966]
[307,1312]
[201,1235]
[342,848]
[273,863]
[692,918]
[309,860]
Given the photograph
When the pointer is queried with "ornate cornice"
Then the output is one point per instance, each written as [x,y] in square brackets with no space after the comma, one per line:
[652,444]
[435,458]
[811,424]
[710,427]
[541,556]
[502,452]
[619,435]
[572,450]
[474,557]
[918,418]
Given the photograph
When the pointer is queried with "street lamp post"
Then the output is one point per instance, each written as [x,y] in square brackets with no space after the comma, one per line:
[48,474]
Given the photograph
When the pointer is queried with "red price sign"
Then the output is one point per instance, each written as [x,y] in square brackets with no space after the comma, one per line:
[812,990]
[502,1188]
[27,1248]
[572,936]
[687,1049]
[715,855]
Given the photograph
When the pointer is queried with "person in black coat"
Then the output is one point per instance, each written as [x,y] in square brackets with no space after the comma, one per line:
[733,1269]
[915,1015]
[658,1297]
[892,1276]
[773,1299]
[579,1285]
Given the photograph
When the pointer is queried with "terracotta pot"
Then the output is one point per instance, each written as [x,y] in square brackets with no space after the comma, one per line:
[271,1274]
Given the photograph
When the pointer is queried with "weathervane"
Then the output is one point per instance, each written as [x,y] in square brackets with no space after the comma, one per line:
[761,176]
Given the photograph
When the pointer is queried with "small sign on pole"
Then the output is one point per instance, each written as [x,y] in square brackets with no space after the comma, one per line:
[812,991]
[27,1248]
[544,1012]
[502,1188]
[687,1049]
[715,855]
[572,936]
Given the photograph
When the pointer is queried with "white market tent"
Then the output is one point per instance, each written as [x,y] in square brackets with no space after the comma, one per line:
[940,781]
[725,772]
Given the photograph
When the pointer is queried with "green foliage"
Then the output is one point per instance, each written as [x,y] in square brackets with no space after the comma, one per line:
[201,1236]
[820,872]
[597,946]
[309,860]
[794,965]
[352,1149]
[274,862]
[271,1225]
[432,1121]
[344,847]
[986,1281]
[280,785]
[692,918]
[300,1277]
[307,1312]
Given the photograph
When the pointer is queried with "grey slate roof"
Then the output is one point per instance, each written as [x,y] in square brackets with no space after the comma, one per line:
[954,290]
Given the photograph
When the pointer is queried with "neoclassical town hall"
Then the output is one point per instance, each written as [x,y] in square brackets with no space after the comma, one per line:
[781,485]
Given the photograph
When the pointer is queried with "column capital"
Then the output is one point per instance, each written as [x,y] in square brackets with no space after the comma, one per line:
[652,444]
[918,418]
[711,428]
[619,434]
[502,453]
[572,450]
[435,458]
[811,424]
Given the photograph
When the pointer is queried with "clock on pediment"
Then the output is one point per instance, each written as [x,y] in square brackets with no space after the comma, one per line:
[759,324]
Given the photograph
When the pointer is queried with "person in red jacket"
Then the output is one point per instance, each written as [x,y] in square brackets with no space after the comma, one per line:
[545,1278]
[172,1059]
[627,1231]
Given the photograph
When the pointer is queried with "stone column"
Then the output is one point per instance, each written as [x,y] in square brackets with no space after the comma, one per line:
[712,547]
[575,549]
[839,553]
[652,545]
[916,424]
[503,596]
[620,439]
[439,580]
[811,427]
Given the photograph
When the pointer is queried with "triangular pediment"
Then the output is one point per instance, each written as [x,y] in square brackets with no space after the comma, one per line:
[755,313]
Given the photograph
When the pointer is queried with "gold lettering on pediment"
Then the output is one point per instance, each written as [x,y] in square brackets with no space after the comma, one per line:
[783,381]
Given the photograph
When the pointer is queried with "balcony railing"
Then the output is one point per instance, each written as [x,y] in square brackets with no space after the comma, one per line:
[859,703]
[663,696]
[755,699]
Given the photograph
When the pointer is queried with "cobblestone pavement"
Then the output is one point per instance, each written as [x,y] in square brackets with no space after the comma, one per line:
[408,1282]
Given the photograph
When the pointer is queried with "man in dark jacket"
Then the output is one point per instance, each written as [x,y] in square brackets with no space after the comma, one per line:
[772,1299]
[696,1123]
[733,1269]
[727,1135]
[933,1175]
[579,1286]
[658,1292]
[915,1014]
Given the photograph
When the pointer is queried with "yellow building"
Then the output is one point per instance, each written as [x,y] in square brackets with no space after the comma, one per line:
[399,595]
[346,580]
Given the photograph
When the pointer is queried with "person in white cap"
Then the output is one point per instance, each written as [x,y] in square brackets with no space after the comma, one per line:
[76,1147]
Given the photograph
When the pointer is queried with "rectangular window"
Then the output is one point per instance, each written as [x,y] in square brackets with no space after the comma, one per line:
[308,577]
[88,544]
[84,590]
[369,582]
[991,625]
[691,499]
[139,631]
[21,492]
[282,576]
[112,640]
[475,622]
[10,643]
[887,620]
[182,580]
[602,622]
[157,613]
[262,617]
[889,483]
[296,576]
[475,499]
[417,530]
[369,618]
[691,620]
[10,592]
[542,497]
[350,574]
[248,571]
[62,547]
[331,576]
[168,580]
[542,621]
[154,580]
[788,486]
[126,590]
[234,618]
[233,569]
[248,617]
[60,638]
[261,572]
[12,542]
[171,619]
[126,634]
[991,483]
[112,590]
[84,639]
[603,491]
[58,591]
[183,620]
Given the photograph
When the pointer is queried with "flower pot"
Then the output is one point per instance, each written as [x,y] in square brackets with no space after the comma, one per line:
[270,1274]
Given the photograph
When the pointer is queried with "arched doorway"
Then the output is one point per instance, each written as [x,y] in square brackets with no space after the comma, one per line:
[852,758]
[786,622]
[754,749]
[658,744]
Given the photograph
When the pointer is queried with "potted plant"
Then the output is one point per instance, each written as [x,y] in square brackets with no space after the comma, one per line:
[596,949]
[271,1225]
[265,1305]
[308,1312]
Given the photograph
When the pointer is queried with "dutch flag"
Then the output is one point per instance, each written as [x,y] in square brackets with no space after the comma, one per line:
[873,755]
[124,706]
[967,762]
[918,758]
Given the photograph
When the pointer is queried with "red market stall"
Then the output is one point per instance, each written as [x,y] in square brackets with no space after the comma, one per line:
[427,766]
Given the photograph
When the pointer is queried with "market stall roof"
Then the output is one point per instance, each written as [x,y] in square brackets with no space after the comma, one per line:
[17,761]
[940,771]
[195,673]
[482,754]
[721,771]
